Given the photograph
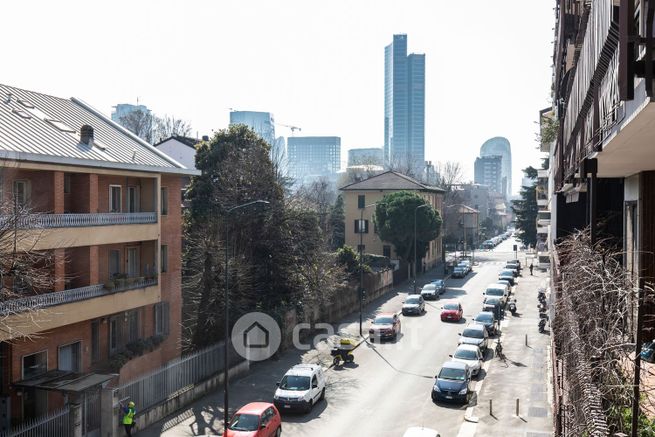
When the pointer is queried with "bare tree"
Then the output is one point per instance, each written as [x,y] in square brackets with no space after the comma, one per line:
[318,196]
[140,123]
[168,126]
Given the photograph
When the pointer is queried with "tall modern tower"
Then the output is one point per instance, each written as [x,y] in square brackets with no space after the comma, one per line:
[261,122]
[404,106]
[499,146]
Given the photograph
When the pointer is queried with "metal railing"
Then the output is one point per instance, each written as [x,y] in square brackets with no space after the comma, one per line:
[80,220]
[183,372]
[56,423]
[45,300]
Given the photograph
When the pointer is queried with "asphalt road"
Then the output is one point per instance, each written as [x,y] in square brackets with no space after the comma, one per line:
[388,387]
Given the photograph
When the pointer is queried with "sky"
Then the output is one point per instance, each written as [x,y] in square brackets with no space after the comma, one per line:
[318,65]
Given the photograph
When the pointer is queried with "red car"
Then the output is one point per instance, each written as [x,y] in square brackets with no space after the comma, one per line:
[451,312]
[385,325]
[257,419]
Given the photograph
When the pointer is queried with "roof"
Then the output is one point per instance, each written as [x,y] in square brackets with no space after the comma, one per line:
[457,364]
[302,369]
[65,381]
[42,128]
[254,408]
[187,141]
[390,180]
[470,347]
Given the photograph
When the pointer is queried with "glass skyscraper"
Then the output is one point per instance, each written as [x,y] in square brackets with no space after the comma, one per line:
[499,146]
[404,106]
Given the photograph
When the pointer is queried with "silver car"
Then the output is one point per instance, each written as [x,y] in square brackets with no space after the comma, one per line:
[470,355]
[476,335]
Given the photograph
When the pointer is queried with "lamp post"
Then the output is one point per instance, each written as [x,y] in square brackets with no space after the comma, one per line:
[360,228]
[425,205]
[226,418]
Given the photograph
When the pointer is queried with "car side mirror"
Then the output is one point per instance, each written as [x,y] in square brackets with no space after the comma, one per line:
[262,426]
[277,384]
[450,356]
[314,385]
[459,333]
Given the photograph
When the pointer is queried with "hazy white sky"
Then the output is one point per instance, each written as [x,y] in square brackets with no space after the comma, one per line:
[314,64]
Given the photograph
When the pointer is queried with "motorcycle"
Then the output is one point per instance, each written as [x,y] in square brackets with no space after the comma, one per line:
[542,326]
[512,307]
[343,353]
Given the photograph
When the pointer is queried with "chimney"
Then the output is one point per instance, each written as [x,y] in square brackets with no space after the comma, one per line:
[86,135]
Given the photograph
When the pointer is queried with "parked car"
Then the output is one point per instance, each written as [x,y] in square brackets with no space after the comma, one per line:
[257,419]
[497,290]
[508,276]
[385,325]
[440,284]
[476,335]
[459,272]
[451,312]
[429,291]
[300,388]
[470,355]
[466,265]
[494,305]
[419,431]
[487,319]
[512,268]
[516,262]
[414,304]
[505,283]
[488,244]
[453,383]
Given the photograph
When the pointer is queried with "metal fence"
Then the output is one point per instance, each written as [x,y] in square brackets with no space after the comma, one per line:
[54,424]
[158,386]
[47,221]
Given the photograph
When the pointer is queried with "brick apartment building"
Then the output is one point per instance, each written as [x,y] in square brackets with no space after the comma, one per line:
[106,206]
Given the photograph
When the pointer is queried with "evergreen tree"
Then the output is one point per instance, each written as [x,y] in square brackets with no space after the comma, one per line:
[337,224]
[525,211]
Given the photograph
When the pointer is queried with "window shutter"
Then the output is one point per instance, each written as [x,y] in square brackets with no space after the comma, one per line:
[356,226]
[366,226]
[166,317]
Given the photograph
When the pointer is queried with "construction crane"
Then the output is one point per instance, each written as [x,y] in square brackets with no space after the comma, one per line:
[293,128]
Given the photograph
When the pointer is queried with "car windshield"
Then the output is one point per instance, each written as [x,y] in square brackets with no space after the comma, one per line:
[465,354]
[438,283]
[429,287]
[244,422]
[454,374]
[506,272]
[492,301]
[495,292]
[384,320]
[484,318]
[294,383]
[413,300]
[451,306]
[473,333]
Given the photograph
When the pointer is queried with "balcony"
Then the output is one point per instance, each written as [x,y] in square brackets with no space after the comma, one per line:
[543,222]
[542,201]
[49,221]
[542,230]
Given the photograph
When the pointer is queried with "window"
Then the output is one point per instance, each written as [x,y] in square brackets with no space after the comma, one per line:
[35,364]
[21,192]
[386,251]
[162,312]
[115,334]
[70,358]
[361,227]
[95,341]
[164,258]
[115,198]
[67,183]
[164,201]
[132,199]
[114,263]
[361,201]
[132,262]
[361,248]
[133,325]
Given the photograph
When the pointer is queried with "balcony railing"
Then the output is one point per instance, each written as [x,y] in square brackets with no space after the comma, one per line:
[45,221]
[45,300]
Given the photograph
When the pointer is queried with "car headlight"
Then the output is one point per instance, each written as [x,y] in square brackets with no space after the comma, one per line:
[464,391]
[436,388]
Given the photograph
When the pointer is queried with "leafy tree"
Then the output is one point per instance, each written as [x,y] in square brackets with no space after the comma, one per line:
[337,224]
[394,219]
[525,210]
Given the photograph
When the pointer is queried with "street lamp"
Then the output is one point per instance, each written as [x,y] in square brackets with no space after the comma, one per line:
[226,417]
[425,205]
[360,228]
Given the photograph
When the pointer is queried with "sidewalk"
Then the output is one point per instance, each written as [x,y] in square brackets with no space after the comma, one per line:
[526,374]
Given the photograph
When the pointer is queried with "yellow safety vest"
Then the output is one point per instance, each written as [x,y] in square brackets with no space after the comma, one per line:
[128,418]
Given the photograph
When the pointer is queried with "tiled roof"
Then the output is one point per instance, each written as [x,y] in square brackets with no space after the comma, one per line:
[390,180]
[39,127]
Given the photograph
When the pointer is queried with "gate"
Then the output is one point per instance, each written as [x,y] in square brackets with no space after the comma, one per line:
[91,413]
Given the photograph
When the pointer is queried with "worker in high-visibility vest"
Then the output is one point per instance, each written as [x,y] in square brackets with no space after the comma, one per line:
[128,418]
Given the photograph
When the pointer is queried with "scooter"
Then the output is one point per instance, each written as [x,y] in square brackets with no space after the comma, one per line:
[512,307]
[542,326]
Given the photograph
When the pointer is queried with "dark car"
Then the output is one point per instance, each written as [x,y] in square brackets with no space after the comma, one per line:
[512,268]
[441,285]
[385,325]
[507,275]
[459,272]
[515,262]
[414,304]
[494,305]
[488,320]
[453,383]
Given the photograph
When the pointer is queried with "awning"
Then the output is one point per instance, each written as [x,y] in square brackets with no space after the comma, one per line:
[65,381]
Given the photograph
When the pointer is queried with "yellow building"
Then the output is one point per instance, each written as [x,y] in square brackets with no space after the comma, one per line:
[359,203]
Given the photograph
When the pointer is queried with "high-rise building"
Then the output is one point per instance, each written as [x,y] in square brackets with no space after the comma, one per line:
[499,146]
[404,106]
[488,171]
[261,122]
[124,109]
[365,156]
[310,157]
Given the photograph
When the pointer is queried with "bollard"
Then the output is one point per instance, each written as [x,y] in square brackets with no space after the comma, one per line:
[526,339]
[517,407]
[491,409]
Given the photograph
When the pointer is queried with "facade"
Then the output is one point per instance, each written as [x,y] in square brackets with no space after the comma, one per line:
[358,198]
[124,109]
[488,171]
[313,157]
[261,122]
[404,106]
[105,205]
[366,156]
[181,149]
[499,146]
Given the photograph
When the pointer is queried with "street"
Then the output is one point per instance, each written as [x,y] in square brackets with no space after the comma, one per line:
[388,387]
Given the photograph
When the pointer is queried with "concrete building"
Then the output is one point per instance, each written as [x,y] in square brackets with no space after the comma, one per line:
[309,158]
[488,171]
[106,205]
[366,156]
[359,195]
[499,146]
[404,106]
[125,109]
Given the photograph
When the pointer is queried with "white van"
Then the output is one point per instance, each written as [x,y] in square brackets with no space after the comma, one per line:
[300,388]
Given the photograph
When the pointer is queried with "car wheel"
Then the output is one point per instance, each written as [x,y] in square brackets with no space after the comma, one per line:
[278,432]
[322,394]
[309,406]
